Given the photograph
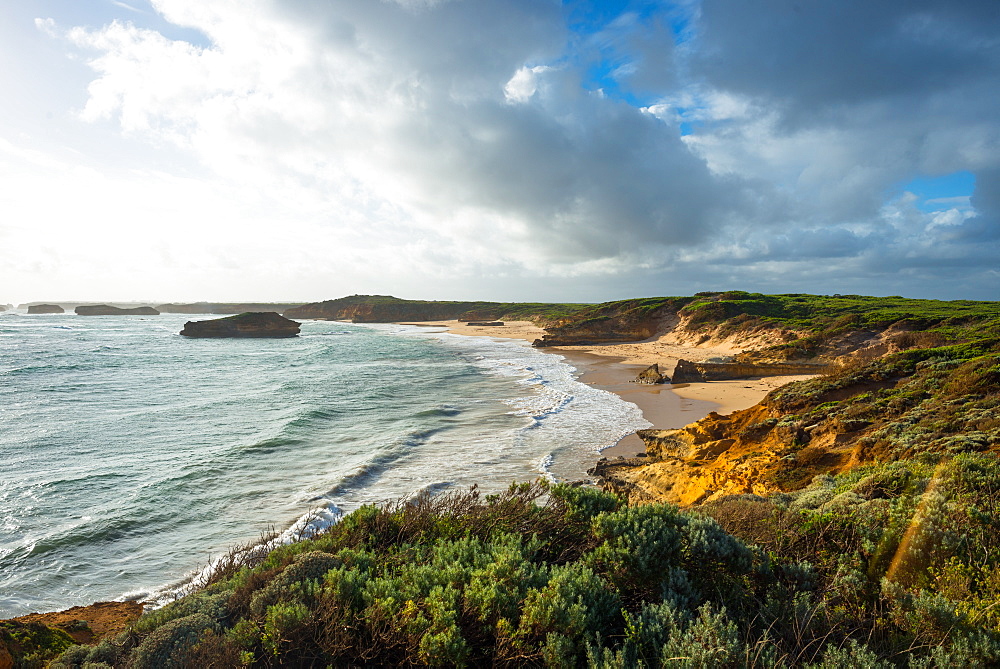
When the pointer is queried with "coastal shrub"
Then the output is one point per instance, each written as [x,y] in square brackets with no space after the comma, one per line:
[638,545]
[105,652]
[168,646]
[893,563]
[32,644]
[212,606]
[853,655]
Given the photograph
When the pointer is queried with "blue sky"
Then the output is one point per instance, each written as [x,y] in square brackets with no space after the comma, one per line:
[515,149]
[939,192]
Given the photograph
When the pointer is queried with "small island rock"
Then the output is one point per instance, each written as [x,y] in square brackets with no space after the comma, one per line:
[45,309]
[106,310]
[252,324]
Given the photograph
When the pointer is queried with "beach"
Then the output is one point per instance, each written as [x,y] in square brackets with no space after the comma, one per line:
[613,367]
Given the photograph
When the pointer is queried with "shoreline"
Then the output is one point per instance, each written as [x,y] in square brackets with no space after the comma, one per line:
[613,367]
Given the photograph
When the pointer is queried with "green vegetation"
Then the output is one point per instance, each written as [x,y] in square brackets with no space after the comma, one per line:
[887,566]
[843,312]
[904,557]
[937,400]
[811,321]
[809,325]
[30,645]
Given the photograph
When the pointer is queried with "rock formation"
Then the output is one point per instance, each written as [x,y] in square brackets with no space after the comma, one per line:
[106,310]
[252,324]
[696,372]
[45,309]
[651,375]
[485,323]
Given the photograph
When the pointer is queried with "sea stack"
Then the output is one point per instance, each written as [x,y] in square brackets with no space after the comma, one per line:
[252,324]
[45,309]
[106,310]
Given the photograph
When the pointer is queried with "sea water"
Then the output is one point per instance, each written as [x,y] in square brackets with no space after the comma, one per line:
[130,456]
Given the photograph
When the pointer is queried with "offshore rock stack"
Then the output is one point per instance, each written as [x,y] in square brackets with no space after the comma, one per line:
[254,324]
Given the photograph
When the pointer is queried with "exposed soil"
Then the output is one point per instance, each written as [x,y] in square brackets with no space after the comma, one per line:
[89,624]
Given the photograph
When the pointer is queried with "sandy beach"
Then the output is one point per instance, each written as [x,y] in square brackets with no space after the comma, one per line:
[613,367]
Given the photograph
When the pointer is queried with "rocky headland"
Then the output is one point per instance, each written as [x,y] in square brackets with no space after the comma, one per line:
[108,310]
[388,309]
[226,307]
[265,324]
[45,309]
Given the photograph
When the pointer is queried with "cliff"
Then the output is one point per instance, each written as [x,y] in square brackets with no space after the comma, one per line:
[921,401]
[106,310]
[45,309]
[259,325]
[613,322]
[781,329]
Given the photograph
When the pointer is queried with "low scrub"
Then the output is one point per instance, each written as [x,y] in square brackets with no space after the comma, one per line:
[564,576]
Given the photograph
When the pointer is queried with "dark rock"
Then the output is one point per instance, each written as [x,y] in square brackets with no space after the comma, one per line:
[45,309]
[694,372]
[253,324]
[106,310]
[484,323]
[651,375]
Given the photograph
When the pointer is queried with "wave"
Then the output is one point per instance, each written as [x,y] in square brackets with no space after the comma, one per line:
[90,534]
[440,412]
[305,527]
[270,445]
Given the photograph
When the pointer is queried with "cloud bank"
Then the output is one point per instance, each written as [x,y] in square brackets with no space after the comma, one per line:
[659,148]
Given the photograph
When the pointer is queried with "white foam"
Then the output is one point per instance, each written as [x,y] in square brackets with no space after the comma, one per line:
[305,527]
[561,410]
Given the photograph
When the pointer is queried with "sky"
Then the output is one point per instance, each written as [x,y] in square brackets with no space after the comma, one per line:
[532,150]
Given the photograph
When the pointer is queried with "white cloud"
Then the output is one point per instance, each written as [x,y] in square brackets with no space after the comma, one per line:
[472,139]
[523,85]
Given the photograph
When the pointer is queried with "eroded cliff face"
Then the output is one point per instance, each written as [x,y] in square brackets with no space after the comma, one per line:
[937,400]
[613,324]
[668,325]
[713,457]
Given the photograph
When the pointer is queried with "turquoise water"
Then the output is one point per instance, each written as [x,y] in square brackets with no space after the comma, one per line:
[131,456]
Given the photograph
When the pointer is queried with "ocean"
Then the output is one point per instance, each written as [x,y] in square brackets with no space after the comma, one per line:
[130,456]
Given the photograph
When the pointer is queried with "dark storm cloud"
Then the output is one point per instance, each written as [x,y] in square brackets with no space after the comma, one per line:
[586,174]
[811,56]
